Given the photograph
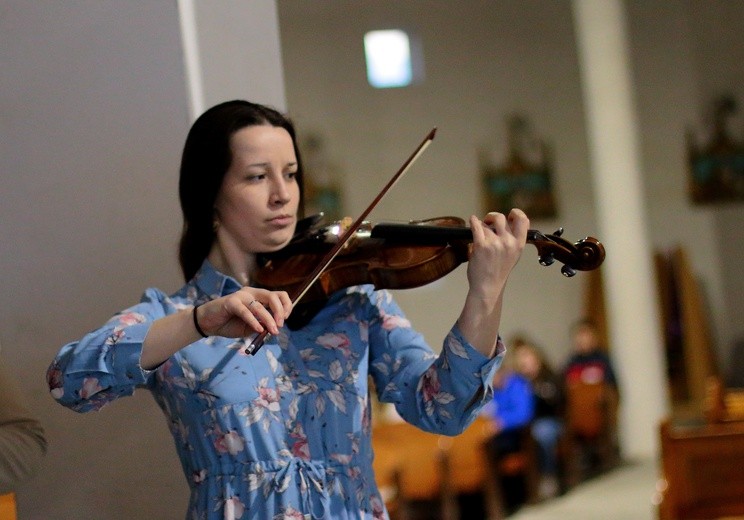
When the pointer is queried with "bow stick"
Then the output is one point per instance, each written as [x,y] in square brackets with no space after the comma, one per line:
[258,341]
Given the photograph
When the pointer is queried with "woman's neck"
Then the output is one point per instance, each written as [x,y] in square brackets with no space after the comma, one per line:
[234,265]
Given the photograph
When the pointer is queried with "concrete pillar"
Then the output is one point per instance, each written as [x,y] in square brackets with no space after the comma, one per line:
[632,307]
[232,50]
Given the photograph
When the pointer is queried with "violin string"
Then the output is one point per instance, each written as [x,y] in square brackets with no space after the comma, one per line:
[258,341]
[331,255]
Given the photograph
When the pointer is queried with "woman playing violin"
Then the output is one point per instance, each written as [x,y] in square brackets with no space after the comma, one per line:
[284,433]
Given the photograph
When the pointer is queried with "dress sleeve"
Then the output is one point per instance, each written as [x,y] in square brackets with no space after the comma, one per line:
[105,364]
[438,393]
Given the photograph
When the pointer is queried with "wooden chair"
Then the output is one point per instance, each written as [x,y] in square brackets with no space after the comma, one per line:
[521,464]
[591,424]
[702,471]
[468,470]
[8,507]
[412,466]
[407,468]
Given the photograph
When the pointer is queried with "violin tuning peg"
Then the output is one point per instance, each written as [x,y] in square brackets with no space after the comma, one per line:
[568,272]
[558,232]
[546,260]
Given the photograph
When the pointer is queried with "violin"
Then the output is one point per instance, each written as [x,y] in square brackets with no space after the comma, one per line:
[390,256]
[393,256]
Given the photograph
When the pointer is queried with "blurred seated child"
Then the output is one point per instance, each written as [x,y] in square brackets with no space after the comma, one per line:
[547,423]
[590,364]
[510,411]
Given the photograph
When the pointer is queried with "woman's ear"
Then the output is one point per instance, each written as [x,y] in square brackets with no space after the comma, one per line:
[215,220]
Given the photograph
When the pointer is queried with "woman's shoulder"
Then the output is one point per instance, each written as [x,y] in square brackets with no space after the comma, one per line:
[157,298]
[156,294]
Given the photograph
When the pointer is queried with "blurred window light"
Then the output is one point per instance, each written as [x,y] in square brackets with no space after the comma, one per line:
[388,55]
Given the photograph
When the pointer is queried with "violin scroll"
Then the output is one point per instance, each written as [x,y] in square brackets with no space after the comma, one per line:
[585,255]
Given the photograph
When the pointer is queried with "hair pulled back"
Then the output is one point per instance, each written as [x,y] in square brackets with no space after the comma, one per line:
[206,158]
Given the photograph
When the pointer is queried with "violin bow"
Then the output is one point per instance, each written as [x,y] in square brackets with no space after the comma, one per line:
[258,341]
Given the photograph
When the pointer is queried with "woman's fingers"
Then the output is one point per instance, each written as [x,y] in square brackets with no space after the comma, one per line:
[496,222]
[245,311]
[498,241]
[519,224]
[268,308]
[516,225]
[280,305]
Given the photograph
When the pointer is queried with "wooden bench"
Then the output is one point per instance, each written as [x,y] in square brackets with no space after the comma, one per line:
[703,471]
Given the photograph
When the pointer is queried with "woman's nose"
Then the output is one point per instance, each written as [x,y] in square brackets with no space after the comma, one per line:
[280,194]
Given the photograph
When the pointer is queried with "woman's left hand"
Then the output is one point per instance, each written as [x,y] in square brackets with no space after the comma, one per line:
[498,241]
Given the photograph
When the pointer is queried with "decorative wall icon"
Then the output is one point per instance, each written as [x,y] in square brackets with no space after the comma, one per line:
[322,192]
[717,168]
[523,180]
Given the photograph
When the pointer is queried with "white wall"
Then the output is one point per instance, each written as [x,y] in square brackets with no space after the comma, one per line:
[92,117]
[485,61]
[687,54]
[239,51]
[482,63]
[93,113]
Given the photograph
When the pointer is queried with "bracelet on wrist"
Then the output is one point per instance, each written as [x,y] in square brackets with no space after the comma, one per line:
[196,323]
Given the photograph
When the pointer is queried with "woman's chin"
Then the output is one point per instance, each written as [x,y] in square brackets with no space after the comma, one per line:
[272,246]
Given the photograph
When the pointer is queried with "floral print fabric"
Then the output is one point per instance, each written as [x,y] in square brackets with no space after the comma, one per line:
[284,434]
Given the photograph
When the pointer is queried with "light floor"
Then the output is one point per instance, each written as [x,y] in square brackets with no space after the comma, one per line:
[625,493]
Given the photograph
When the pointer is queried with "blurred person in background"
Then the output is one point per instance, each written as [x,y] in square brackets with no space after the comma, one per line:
[547,423]
[511,411]
[22,440]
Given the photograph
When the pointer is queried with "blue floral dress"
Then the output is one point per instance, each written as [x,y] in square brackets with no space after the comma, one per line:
[284,434]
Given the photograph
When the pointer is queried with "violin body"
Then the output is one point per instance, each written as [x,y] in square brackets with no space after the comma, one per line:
[393,256]
[387,263]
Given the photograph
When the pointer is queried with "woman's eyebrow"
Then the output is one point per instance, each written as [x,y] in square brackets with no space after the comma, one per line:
[266,164]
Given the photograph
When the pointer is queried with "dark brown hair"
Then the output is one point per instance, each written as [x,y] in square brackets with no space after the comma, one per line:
[205,160]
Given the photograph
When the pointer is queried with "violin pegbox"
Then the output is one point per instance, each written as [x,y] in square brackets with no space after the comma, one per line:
[546,259]
[585,255]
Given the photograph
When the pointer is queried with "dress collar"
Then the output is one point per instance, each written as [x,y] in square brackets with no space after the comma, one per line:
[214,283]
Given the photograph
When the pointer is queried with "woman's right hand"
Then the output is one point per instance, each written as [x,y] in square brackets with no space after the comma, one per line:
[238,315]
[243,313]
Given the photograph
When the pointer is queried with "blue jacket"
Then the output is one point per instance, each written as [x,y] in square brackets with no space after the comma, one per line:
[513,404]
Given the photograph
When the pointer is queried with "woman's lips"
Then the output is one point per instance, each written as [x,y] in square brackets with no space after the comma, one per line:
[282,220]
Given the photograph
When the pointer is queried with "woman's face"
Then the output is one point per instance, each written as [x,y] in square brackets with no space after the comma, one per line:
[257,204]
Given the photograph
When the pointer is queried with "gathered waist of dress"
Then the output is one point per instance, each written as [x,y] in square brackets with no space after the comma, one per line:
[315,481]
[320,469]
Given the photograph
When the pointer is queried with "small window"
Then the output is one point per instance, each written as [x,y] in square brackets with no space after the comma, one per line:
[389,62]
